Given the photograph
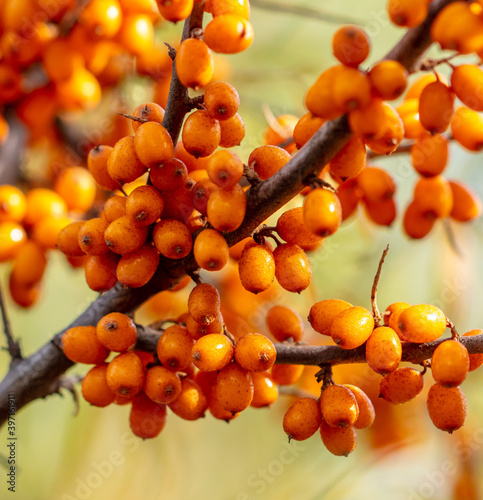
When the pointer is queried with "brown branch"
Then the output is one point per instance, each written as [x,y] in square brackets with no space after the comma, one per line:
[12,345]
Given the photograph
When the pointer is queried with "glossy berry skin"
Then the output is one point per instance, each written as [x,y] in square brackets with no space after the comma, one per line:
[67,240]
[211,250]
[388,79]
[466,128]
[302,419]
[135,269]
[352,327]
[422,323]
[267,160]
[204,303]
[125,236]
[100,271]
[256,268]
[433,197]
[322,212]
[172,239]
[291,228]
[466,83]
[391,316]
[194,63]
[429,154]
[450,363]
[286,374]
[323,313]
[446,407]
[123,164]
[13,205]
[144,205]
[94,387]
[383,350]
[292,268]
[226,208]
[221,100]
[436,106]
[476,360]
[201,134]
[80,344]
[191,404]
[401,385]
[234,388]
[350,45]
[125,374]
[228,34]
[174,348]
[339,441]
[117,332]
[162,385]
[339,406]
[212,352]
[351,159]
[265,391]
[466,204]
[367,413]
[147,418]
[284,323]
[255,352]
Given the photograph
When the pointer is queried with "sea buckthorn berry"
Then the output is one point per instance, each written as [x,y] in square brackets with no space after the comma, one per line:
[149,111]
[212,352]
[422,323]
[162,385]
[153,144]
[265,391]
[319,98]
[339,441]
[366,408]
[147,418]
[194,63]
[408,13]
[291,228]
[302,419]
[368,122]
[169,175]
[136,33]
[172,239]
[197,330]
[467,128]
[201,134]
[12,236]
[446,407]
[221,100]
[429,155]
[279,130]
[211,250]
[68,241]
[292,268]
[77,187]
[408,111]
[349,196]
[322,212]
[401,385]
[351,45]
[388,79]
[29,263]
[100,271]
[125,374]
[175,10]
[376,184]
[23,295]
[135,269]
[191,403]
[352,89]
[125,236]
[13,205]
[94,387]
[391,316]
[286,374]
[383,350]
[466,204]
[45,232]
[114,208]
[284,323]
[123,164]
[338,406]
[42,203]
[433,196]
[174,348]
[228,34]
[450,363]
[234,388]
[117,332]
[97,165]
[417,224]
[215,408]
[200,194]
[232,131]
[255,352]
[81,91]
[350,160]
[268,159]
[256,268]
[90,237]
[145,357]
[224,169]
[144,205]
[204,303]
[394,130]
[352,327]
[226,208]
[467,84]
[101,17]
[306,128]
[323,313]
[436,106]
[81,345]
[476,360]
[236,7]
[381,212]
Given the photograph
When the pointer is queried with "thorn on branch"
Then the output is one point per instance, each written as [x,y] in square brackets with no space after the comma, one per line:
[251,176]
[375,310]
[12,345]
[134,118]
[454,333]
[316,182]
[196,32]
[171,51]
[196,102]
[195,276]
[265,231]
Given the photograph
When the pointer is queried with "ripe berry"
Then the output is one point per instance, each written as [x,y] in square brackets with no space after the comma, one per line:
[323,313]
[352,327]
[436,106]
[77,187]
[339,441]
[450,363]
[211,250]
[228,34]
[306,128]
[201,134]
[322,212]
[13,236]
[256,268]
[429,155]
[81,345]
[302,419]
[388,79]
[350,160]
[338,406]
[212,352]
[366,409]
[42,203]
[392,136]
[169,175]
[172,239]
[117,332]
[352,89]
[286,374]
[125,374]
[446,407]
[235,7]
[391,316]
[13,204]
[144,205]
[29,263]
[194,63]
[191,404]
[466,204]
[422,323]
[401,385]
[123,164]
[224,169]
[234,388]
[476,360]
[232,131]
[265,391]
[284,323]
[100,271]
[221,100]
[319,98]
[125,236]
[467,128]
[147,418]
[204,303]
[376,184]
[417,224]
[383,350]
[226,208]
[268,159]
[408,13]
[114,208]
[350,45]
[149,111]
[197,330]
[255,352]
[174,348]
[153,144]
[94,387]
[162,385]
[200,194]
[292,268]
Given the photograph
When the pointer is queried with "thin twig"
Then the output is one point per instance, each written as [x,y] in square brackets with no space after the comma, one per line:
[375,310]
[134,118]
[454,333]
[13,346]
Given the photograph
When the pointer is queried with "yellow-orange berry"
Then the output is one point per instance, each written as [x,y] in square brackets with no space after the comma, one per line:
[201,134]
[211,250]
[286,374]
[191,404]
[306,128]
[255,352]
[144,205]
[221,100]
[467,128]
[476,360]
[169,175]
[29,263]
[77,187]
[466,204]
[123,235]
[125,374]
[284,323]
[322,212]
[388,79]
[224,169]
[350,160]
[338,406]
[147,418]
[174,348]
[292,268]
[436,106]
[228,34]
[302,419]
[232,131]
[429,154]
[433,196]
[323,313]
[450,363]
[265,391]
[234,388]
[149,111]
[91,237]
[268,159]
[194,63]
[417,224]
[13,205]
[172,238]
[350,45]
[153,144]
[212,352]
[339,441]
[94,387]
[226,208]
[446,407]
[81,345]
[391,316]
[256,268]
[408,13]
[123,164]
[42,203]
[401,385]
[352,327]
[366,408]
[383,350]
[422,323]
[135,269]
[114,208]
[117,332]
[100,271]
[162,385]
[204,303]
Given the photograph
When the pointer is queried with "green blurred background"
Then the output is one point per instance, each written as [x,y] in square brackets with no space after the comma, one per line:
[95,456]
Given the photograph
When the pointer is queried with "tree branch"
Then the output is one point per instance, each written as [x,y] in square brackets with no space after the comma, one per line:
[12,345]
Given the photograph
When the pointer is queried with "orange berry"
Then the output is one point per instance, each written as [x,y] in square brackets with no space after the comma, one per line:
[383,350]
[235,7]
[284,323]
[422,323]
[201,134]
[197,330]
[388,79]
[349,196]
[366,409]
[338,406]
[433,196]
[136,34]
[292,268]
[417,224]
[162,385]
[169,175]
[436,106]
[200,194]
[467,84]
[291,228]
[446,407]
[466,204]
[29,263]
[407,13]
[81,345]
[101,17]
[265,391]
[467,128]
[450,363]
[393,133]
[268,159]
[319,98]
[381,212]
[90,237]
[13,205]
[191,403]
[232,131]
[352,89]
[211,250]
[256,268]
[350,160]
[255,352]
[144,205]
[43,203]
[12,236]
[147,418]
[212,352]
[391,316]
[429,155]
[306,128]
[149,111]
[225,169]
[376,184]
[351,45]
[23,295]
[135,269]
[194,63]
[226,208]
[117,332]
[97,165]
[302,419]
[401,385]
[114,208]
[45,231]
[234,388]
[322,212]
[153,144]
[286,374]
[204,303]
[339,441]
[323,313]
[100,271]
[174,348]
[80,91]
[94,387]
[123,164]
[125,374]
[125,236]
[172,239]
[221,100]
[175,10]
[352,327]
[369,122]
[228,34]
[476,360]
